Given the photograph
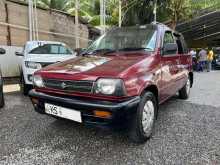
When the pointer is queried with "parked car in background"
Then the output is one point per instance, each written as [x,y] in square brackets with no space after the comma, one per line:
[120,80]
[2,101]
[216,60]
[38,54]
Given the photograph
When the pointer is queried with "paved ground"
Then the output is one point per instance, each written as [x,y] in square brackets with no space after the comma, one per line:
[187,132]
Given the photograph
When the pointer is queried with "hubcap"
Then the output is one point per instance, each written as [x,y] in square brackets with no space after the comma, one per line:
[188,86]
[148,117]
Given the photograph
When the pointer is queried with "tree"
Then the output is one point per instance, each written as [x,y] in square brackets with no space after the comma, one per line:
[134,11]
[90,10]
[178,11]
[182,10]
[132,16]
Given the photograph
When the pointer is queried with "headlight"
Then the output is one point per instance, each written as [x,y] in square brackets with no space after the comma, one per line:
[32,65]
[110,87]
[38,81]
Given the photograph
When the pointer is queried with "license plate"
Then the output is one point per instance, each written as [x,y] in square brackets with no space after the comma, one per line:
[63,112]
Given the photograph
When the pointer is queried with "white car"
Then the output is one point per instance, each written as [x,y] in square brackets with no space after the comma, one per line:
[38,54]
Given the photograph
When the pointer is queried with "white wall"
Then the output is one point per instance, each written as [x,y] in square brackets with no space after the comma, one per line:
[9,62]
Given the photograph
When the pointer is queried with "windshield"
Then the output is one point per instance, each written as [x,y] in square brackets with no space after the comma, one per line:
[51,49]
[128,38]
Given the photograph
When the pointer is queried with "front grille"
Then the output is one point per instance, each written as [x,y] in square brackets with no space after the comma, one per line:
[44,64]
[70,86]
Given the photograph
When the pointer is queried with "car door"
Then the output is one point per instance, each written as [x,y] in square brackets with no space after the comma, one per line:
[185,61]
[169,68]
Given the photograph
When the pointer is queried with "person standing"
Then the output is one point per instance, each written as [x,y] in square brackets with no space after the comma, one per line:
[202,59]
[192,53]
[210,57]
[194,59]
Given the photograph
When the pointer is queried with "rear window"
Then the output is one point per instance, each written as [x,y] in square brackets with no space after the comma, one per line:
[51,49]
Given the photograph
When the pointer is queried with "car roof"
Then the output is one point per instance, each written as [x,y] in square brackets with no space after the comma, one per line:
[45,42]
[156,26]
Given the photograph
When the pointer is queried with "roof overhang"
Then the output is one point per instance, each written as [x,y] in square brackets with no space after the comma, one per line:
[203,31]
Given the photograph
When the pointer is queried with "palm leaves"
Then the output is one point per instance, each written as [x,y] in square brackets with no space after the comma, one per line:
[52,4]
[133,11]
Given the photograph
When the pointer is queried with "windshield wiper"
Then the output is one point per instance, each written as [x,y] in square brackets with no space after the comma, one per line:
[104,51]
[126,49]
[107,51]
[134,49]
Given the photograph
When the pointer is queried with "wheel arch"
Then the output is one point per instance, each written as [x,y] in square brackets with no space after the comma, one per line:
[152,88]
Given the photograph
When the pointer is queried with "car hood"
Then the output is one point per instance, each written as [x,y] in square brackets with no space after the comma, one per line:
[50,58]
[91,67]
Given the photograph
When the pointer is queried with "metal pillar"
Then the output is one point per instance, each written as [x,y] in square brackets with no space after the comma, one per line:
[102,16]
[77,22]
[30,20]
[33,20]
[119,15]
[36,19]
[155,11]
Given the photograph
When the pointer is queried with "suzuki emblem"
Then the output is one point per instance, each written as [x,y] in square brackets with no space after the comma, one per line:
[63,85]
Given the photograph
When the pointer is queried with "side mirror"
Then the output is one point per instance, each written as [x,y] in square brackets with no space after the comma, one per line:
[170,48]
[79,51]
[19,54]
[2,51]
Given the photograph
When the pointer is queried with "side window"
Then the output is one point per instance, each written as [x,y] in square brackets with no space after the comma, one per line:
[54,49]
[180,43]
[168,38]
[64,50]
[185,47]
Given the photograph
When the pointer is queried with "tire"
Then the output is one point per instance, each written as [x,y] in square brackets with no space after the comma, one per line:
[185,91]
[140,132]
[24,87]
[2,100]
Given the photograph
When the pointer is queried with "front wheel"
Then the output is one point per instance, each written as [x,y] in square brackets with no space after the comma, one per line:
[144,119]
[24,87]
[185,91]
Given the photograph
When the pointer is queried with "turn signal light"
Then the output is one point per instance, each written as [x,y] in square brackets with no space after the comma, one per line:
[102,114]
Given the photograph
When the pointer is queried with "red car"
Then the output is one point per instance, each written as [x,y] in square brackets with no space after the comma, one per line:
[120,80]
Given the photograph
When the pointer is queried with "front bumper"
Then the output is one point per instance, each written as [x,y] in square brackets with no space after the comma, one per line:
[121,111]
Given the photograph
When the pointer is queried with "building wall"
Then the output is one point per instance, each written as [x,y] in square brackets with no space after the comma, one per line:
[49,21]
[3,29]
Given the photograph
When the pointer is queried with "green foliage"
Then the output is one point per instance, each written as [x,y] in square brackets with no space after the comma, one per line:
[134,11]
[204,4]
[178,10]
[52,4]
